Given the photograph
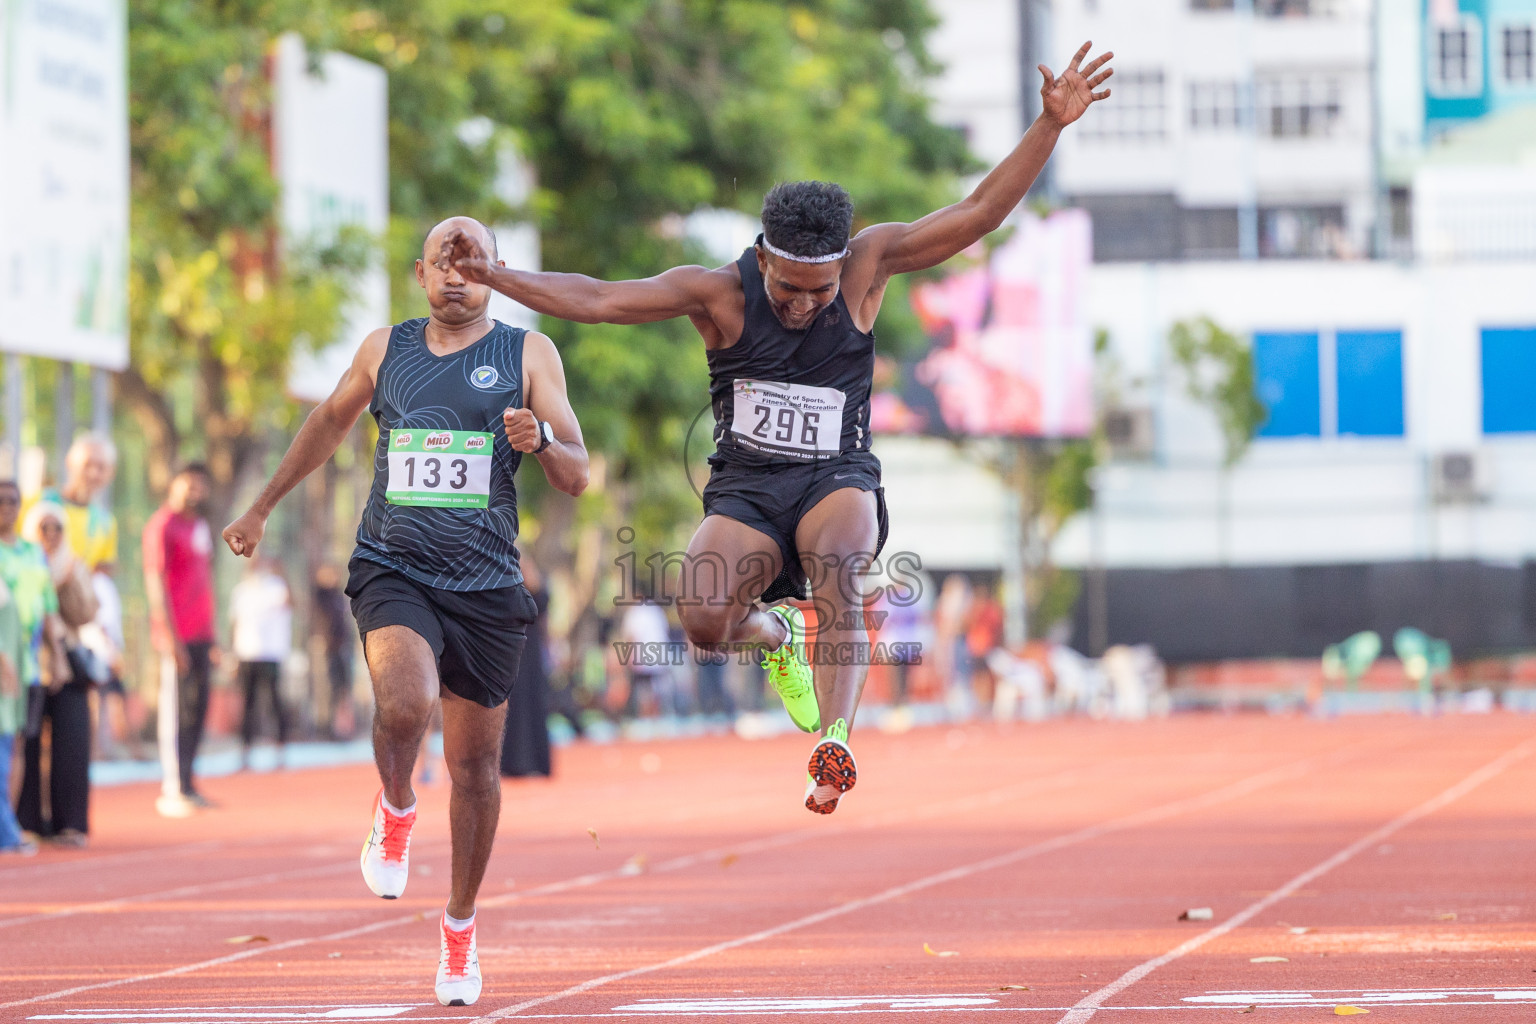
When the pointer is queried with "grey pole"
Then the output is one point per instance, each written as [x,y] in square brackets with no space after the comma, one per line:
[101,401]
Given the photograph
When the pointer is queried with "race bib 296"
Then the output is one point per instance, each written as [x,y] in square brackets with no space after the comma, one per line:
[795,420]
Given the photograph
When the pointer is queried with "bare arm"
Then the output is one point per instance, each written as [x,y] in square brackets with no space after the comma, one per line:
[681,291]
[317,440]
[903,248]
[565,460]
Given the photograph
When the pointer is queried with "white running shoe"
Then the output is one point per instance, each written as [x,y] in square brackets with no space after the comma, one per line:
[387,851]
[458,968]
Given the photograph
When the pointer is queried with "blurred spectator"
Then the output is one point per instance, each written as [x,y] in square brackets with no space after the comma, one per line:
[907,633]
[338,634]
[25,574]
[646,630]
[89,468]
[713,695]
[261,611]
[525,742]
[949,616]
[103,637]
[13,715]
[64,813]
[178,581]
[983,635]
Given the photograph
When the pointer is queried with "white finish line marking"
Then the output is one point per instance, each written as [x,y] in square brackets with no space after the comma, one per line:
[1161,812]
[1373,996]
[251,1013]
[1089,1005]
[825,1004]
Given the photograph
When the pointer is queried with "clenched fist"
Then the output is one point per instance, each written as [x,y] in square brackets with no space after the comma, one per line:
[522,429]
[245,533]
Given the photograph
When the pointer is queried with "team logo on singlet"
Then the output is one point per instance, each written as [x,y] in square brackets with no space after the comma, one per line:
[402,439]
[484,377]
[442,440]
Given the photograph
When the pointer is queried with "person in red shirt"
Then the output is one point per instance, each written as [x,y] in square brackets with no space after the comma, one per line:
[178,580]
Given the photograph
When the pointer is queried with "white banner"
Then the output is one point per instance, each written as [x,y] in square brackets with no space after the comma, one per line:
[330,140]
[64,180]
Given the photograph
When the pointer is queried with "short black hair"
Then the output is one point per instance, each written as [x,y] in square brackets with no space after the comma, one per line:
[199,468]
[808,218]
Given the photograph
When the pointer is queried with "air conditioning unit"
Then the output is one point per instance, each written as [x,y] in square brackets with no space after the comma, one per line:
[1129,431]
[1459,477]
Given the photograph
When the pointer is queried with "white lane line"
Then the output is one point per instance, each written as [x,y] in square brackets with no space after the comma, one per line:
[1089,1005]
[1082,835]
[582,881]
[31,871]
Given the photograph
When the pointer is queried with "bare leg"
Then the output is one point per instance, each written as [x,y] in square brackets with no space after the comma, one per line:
[738,554]
[843,524]
[472,749]
[404,672]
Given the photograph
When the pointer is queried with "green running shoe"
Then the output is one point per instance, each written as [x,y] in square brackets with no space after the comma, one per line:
[790,675]
[832,771]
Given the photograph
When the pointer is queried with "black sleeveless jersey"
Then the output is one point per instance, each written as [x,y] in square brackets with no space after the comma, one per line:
[783,396]
[420,397]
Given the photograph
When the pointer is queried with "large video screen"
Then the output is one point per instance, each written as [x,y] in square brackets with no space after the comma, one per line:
[1011,349]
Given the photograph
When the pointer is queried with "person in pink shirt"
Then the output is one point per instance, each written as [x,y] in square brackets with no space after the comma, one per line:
[178,580]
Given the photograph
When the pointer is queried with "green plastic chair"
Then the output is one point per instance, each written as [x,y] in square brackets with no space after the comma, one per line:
[1424,658]
[1352,658]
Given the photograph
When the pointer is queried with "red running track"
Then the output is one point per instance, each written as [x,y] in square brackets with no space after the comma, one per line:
[1388,861]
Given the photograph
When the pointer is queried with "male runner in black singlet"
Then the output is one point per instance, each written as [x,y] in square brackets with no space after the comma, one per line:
[794,486]
[435,584]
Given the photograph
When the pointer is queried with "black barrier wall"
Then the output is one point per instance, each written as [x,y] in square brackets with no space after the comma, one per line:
[1214,614]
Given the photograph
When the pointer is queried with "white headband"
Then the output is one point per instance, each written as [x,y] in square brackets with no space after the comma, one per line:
[781,254]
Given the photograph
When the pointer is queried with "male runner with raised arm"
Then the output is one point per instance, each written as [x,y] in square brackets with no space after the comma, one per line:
[435,584]
[787,330]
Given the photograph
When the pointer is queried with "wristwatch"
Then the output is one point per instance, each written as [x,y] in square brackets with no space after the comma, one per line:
[546,437]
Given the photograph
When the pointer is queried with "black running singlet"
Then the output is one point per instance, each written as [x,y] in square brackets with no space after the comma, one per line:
[783,396]
[443,508]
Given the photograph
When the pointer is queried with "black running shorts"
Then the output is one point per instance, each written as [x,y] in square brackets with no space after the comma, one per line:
[477,635]
[773,500]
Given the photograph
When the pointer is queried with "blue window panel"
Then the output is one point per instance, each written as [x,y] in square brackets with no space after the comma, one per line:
[1509,380]
[1288,381]
[1370,374]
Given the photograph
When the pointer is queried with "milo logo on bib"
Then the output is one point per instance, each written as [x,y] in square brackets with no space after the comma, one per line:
[442,468]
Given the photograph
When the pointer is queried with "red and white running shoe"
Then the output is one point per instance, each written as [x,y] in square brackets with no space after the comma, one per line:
[458,968]
[387,851]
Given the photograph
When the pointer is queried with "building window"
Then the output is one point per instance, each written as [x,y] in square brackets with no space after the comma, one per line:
[1519,55]
[1287,377]
[1215,106]
[1294,107]
[1210,233]
[1509,380]
[1456,58]
[1370,383]
[1284,8]
[1303,232]
[1139,113]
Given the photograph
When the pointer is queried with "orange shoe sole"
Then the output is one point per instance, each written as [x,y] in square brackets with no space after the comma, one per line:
[831,765]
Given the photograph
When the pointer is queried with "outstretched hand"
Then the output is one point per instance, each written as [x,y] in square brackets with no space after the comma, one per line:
[462,251]
[1064,99]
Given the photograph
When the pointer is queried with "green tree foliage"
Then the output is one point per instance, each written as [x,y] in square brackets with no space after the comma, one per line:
[215,316]
[630,112]
[1219,374]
